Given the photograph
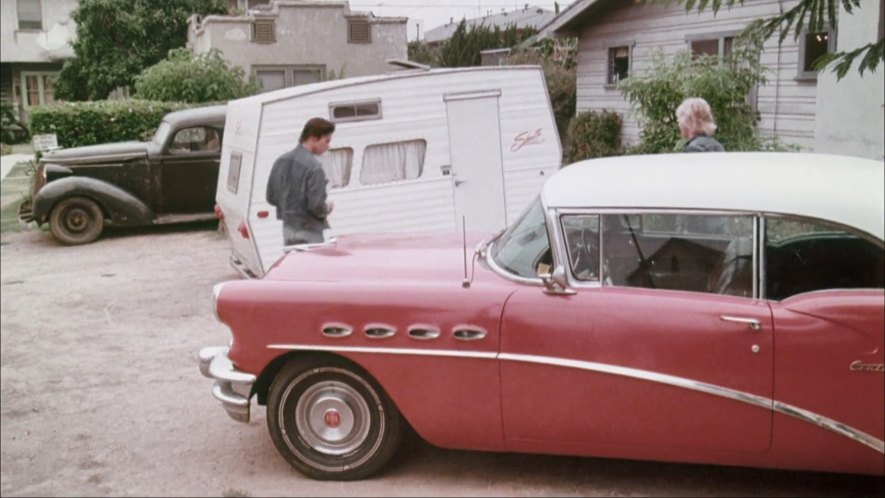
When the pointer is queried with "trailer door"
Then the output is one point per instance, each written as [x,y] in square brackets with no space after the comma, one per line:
[475,148]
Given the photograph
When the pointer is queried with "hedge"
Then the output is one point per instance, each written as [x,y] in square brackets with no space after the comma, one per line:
[594,134]
[88,123]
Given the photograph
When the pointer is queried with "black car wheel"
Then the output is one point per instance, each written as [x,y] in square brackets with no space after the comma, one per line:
[76,220]
[331,421]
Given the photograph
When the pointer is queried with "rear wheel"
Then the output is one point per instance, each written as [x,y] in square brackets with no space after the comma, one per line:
[76,220]
[330,420]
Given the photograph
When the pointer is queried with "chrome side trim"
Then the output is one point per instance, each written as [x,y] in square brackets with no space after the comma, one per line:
[724,392]
[336,330]
[634,373]
[423,332]
[379,331]
[397,351]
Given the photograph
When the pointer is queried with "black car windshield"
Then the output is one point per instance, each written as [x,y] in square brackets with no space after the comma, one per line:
[524,245]
[161,133]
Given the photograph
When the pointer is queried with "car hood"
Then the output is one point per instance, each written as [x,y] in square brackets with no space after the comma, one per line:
[388,257]
[120,151]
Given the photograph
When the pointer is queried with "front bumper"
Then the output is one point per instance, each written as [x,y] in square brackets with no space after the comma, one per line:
[232,387]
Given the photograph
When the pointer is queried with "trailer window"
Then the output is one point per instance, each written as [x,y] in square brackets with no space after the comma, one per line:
[355,111]
[337,164]
[393,162]
[233,172]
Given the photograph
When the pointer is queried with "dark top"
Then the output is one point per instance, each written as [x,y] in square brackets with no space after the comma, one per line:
[703,143]
[297,188]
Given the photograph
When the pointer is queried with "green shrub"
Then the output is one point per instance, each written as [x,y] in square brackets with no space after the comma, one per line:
[185,77]
[594,134]
[88,123]
[724,84]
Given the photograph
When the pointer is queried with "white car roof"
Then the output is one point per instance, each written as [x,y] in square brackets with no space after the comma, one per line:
[841,189]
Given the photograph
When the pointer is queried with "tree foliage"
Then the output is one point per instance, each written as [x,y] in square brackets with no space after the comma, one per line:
[815,15]
[724,84]
[118,39]
[464,47]
[561,79]
[185,77]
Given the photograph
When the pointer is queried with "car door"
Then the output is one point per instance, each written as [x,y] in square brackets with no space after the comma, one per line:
[622,365]
[188,175]
[825,288]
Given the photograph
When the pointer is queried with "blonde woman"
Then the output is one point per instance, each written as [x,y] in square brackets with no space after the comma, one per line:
[697,126]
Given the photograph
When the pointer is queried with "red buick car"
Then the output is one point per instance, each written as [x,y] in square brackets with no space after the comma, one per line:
[723,308]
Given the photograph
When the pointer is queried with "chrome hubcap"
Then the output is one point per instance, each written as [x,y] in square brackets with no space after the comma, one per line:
[332,418]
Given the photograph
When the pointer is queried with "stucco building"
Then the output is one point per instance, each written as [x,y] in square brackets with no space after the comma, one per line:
[286,43]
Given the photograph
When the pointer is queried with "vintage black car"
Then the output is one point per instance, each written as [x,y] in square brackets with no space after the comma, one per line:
[170,179]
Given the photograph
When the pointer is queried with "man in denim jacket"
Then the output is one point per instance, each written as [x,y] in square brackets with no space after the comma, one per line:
[297,186]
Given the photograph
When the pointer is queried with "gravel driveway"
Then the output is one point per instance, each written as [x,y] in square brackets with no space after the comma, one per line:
[101,396]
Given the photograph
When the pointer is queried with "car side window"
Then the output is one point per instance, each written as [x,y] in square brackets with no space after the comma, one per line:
[195,139]
[582,244]
[687,252]
[803,256]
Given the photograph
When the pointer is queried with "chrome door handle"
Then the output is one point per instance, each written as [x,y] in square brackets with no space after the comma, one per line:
[459,182]
[753,323]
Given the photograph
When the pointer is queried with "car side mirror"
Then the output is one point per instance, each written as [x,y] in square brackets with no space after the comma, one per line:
[556,283]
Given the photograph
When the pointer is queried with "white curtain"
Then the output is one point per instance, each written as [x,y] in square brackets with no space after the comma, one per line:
[337,164]
[393,162]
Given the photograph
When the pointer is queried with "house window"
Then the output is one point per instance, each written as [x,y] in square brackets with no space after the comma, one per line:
[271,79]
[337,164]
[812,46]
[264,31]
[30,14]
[359,31]
[393,162]
[717,46]
[618,64]
[355,111]
[276,77]
[38,88]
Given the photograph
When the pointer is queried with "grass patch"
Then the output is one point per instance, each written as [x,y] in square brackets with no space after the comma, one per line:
[14,189]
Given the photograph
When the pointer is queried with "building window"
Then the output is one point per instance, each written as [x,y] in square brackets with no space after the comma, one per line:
[618,64]
[276,77]
[38,88]
[720,45]
[393,162]
[812,46]
[30,14]
[355,111]
[337,164]
[264,31]
[359,31]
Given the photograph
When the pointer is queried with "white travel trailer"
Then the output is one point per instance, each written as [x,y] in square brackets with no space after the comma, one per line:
[413,150]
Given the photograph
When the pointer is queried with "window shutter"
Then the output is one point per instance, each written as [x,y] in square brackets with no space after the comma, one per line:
[358,31]
[264,31]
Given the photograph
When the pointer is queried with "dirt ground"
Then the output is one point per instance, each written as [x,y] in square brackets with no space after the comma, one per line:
[101,396]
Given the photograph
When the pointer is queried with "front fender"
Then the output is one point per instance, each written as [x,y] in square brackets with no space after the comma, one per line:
[123,208]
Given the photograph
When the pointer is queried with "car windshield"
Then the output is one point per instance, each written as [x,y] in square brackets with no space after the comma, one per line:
[161,133]
[524,248]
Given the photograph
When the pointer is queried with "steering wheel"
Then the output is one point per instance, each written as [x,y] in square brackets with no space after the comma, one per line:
[585,253]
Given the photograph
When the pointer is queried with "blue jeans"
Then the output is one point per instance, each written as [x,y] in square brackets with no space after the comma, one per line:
[292,236]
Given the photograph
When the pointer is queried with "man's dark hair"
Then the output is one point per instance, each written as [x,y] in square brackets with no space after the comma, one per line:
[317,128]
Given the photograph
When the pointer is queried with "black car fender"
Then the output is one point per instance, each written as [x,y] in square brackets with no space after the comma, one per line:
[122,208]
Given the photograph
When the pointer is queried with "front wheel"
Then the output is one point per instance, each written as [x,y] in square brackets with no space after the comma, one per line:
[76,220]
[331,421]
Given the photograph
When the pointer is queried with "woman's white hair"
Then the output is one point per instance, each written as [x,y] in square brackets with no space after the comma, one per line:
[695,115]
